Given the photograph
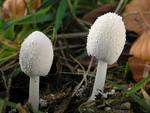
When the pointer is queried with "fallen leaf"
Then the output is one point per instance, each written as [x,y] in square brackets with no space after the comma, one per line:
[92,15]
[141,47]
[13,9]
[136,16]
[137,67]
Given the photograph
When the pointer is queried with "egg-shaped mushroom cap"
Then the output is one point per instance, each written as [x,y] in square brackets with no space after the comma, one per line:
[106,38]
[36,54]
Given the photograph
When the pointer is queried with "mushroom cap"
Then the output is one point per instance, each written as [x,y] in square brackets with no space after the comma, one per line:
[141,47]
[106,38]
[36,54]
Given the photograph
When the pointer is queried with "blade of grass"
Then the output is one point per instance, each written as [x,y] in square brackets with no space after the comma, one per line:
[116,85]
[138,86]
[59,16]
[141,102]
[47,3]
[38,17]
[5,53]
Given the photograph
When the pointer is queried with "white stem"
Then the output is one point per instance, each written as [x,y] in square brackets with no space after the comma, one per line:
[99,79]
[34,92]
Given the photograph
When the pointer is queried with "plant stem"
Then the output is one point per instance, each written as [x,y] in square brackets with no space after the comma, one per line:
[146,70]
[100,79]
[34,92]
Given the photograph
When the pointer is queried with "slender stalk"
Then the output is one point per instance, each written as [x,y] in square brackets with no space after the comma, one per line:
[34,92]
[146,70]
[100,79]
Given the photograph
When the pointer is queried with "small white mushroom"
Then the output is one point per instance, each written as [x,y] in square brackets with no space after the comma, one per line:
[35,59]
[105,41]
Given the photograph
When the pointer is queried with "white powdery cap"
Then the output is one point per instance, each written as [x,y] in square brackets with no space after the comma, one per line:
[36,54]
[106,38]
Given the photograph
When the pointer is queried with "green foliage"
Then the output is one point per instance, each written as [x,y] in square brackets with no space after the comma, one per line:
[52,13]
[88,3]
[38,17]
[138,86]
[105,1]
[140,101]
[60,14]
[2,105]
[1,2]
[46,4]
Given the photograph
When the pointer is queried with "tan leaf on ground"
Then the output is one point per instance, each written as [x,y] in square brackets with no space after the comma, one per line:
[137,16]
[13,9]
[137,67]
[141,47]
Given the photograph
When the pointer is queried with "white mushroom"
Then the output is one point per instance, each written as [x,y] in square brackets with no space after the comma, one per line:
[105,41]
[36,57]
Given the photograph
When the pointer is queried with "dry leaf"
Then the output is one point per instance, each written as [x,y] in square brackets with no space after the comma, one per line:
[92,15]
[137,67]
[141,47]
[137,16]
[36,4]
[17,8]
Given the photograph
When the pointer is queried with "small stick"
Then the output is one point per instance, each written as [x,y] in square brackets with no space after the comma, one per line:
[84,78]
[63,54]
[72,35]
[71,47]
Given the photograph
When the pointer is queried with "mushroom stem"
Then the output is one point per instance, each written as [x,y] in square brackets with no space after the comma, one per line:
[100,79]
[146,70]
[34,92]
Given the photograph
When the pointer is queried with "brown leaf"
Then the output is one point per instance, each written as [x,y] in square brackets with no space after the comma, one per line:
[17,8]
[141,47]
[92,15]
[137,67]
[137,16]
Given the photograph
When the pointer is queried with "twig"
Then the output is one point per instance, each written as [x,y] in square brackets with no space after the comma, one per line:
[4,79]
[8,59]
[10,67]
[84,78]
[63,54]
[78,73]
[78,63]
[72,35]
[121,6]
[71,47]
[75,17]
[7,85]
